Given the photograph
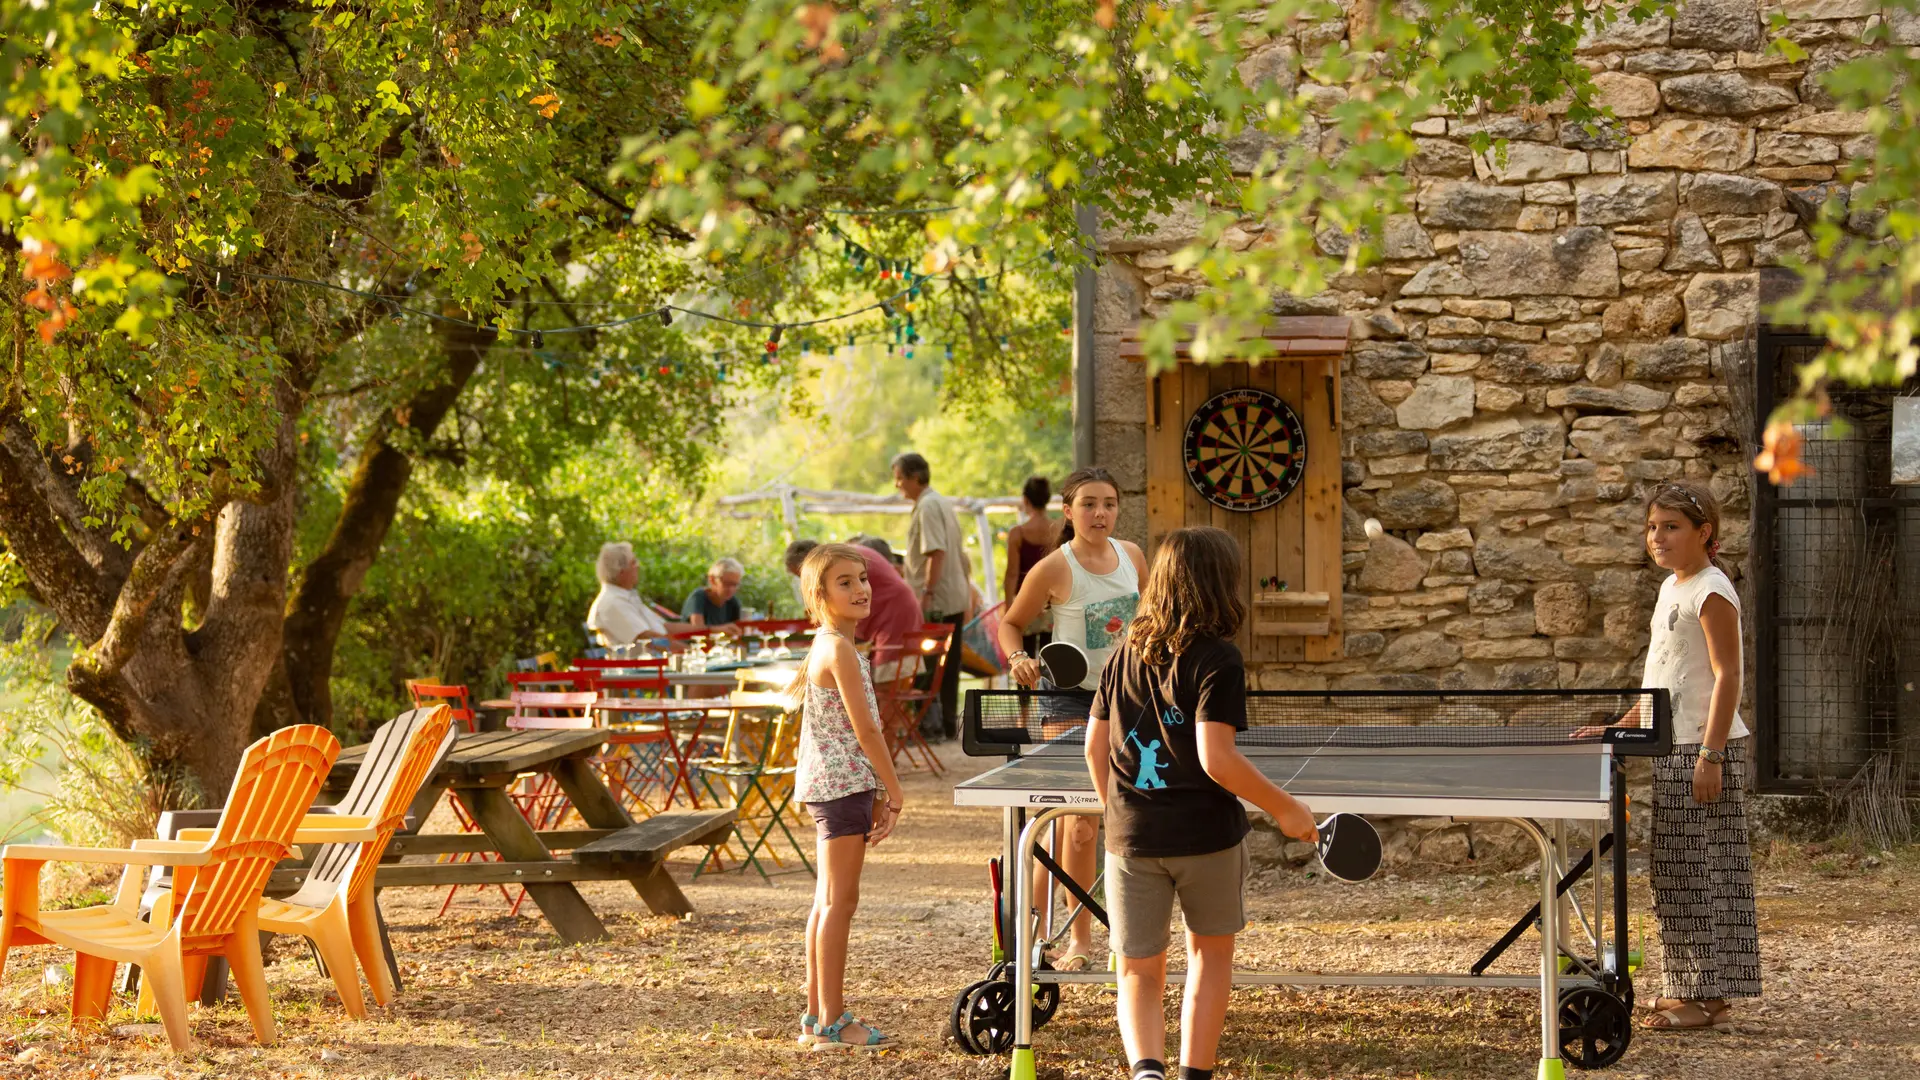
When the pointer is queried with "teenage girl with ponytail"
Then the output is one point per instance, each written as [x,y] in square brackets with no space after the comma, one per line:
[1091,583]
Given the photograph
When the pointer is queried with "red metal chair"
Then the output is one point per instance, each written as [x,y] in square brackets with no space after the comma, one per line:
[910,669]
[453,695]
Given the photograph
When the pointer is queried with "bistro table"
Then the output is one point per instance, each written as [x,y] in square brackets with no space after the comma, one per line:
[479,769]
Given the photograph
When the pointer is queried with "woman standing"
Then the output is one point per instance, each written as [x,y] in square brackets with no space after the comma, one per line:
[1092,584]
[1027,543]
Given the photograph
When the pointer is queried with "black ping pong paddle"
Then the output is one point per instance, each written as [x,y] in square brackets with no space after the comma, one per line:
[1349,847]
[1065,665]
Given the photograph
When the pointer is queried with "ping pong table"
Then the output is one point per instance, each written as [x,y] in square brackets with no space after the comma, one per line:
[1491,756]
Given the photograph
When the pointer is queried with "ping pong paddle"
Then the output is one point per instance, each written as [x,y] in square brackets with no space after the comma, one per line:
[1065,665]
[1349,847]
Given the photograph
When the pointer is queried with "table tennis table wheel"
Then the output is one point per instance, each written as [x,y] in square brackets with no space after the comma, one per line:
[957,1021]
[986,1017]
[1595,1027]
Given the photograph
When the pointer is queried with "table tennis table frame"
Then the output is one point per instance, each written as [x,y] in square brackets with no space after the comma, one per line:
[1022,833]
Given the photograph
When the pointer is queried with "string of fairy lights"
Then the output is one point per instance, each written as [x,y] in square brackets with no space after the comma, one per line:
[903,287]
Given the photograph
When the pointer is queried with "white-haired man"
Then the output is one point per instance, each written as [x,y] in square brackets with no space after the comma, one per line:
[619,616]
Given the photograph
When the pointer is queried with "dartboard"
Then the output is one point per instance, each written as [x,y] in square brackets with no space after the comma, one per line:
[1245,450]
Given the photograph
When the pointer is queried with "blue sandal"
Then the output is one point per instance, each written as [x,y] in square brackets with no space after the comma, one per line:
[809,1030]
[829,1035]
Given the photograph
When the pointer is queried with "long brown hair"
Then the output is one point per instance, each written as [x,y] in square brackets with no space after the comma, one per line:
[1192,592]
[1079,478]
[813,593]
[1693,502]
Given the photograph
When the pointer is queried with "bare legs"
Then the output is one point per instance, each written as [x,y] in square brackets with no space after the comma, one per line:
[834,899]
[1203,1013]
[1075,849]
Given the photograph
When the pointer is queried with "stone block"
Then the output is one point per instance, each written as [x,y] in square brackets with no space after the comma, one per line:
[1367,644]
[1831,123]
[1608,438]
[1494,398]
[1386,682]
[1720,25]
[1524,364]
[1720,193]
[1631,398]
[1386,443]
[1508,649]
[1451,204]
[1668,62]
[1626,627]
[1437,279]
[1577,262]
[1520,675]
[1725,93]
[1829,9]
[1501,445]
[1625,198]
[1721,307]
[1560,608]
[1389,360]
[1582,333]
[1422,504]
[1692,248]
[1583,648]
[1693,145]
[1622,32]
[1788,148]
[1398,465]
[1492,597]
[1275,678]
[1359,407]
[1545,309]
[1663,361]
[1447,540]
[1627,95]
[1436,402]
[1736,228]
[1405,239]
[1175,228]
[1422,650]
[1520,559]
[1441,157]
[1525,161]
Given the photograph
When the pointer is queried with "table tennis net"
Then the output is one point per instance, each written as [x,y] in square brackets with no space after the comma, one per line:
[1001,722]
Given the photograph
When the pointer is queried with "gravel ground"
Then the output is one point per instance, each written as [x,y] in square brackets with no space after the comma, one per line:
[715,996]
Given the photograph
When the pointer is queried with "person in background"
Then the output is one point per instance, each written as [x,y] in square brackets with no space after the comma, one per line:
[936,568]
[893,612]
[618,615]
[717,603]
[1027,543]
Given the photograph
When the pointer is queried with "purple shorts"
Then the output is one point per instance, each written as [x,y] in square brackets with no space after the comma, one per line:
[849,815]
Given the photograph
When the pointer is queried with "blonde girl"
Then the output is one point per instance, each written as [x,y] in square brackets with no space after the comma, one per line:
[845,778]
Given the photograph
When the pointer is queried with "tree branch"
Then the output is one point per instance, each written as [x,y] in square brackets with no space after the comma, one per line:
[69,583]
[63,500]
[156,570]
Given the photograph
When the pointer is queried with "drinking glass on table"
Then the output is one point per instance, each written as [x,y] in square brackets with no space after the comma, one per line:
[782,653]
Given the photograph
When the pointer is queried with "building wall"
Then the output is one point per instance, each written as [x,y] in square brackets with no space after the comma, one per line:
[1550,336]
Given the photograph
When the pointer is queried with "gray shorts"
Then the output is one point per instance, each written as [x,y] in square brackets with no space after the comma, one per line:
[849,815]
[1212,890]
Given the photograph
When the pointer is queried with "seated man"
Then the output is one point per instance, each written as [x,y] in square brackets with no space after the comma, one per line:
[894,610]
[717,603]
[618,615]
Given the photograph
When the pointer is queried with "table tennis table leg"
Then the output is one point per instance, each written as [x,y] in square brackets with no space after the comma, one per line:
[1023,931]
[1551,1067]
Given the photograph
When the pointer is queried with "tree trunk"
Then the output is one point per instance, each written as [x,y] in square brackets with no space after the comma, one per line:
[318,607]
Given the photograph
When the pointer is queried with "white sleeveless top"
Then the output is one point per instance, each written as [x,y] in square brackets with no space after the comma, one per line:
[1677,652]
[1097,611]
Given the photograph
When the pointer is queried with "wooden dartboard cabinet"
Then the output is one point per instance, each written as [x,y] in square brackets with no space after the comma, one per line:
[1292,578]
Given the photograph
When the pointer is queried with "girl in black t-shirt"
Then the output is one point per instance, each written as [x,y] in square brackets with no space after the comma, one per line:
[1160,746]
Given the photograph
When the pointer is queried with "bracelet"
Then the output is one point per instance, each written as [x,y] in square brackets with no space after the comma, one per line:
[1708,753]
[1017,656]
[893,808]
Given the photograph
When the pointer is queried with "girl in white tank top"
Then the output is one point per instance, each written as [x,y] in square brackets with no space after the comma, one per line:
[1096,614]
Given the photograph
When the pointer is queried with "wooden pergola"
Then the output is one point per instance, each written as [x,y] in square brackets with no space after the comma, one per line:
[795,501]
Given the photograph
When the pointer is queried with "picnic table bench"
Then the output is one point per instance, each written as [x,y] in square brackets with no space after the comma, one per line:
[614,847]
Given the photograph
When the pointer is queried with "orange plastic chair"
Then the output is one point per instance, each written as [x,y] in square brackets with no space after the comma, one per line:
[218,881]
[334,908]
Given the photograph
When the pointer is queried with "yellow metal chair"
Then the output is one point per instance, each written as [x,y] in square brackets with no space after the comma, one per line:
[218,883]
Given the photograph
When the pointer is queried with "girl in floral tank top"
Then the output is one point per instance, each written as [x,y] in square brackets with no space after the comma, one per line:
[844,776]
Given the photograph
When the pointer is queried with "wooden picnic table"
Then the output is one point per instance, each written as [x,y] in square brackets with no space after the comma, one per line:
[479,769]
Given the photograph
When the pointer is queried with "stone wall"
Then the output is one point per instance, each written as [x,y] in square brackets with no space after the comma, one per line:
[1550,335]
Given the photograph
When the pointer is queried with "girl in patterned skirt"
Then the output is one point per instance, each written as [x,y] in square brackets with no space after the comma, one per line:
[1701,868]
[845,777]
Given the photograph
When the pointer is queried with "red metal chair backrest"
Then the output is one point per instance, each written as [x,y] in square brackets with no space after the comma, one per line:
[453,695]
[632,686]
[610,664]
[553,681]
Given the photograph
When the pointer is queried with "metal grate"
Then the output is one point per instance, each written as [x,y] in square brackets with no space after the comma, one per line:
[1838,655]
